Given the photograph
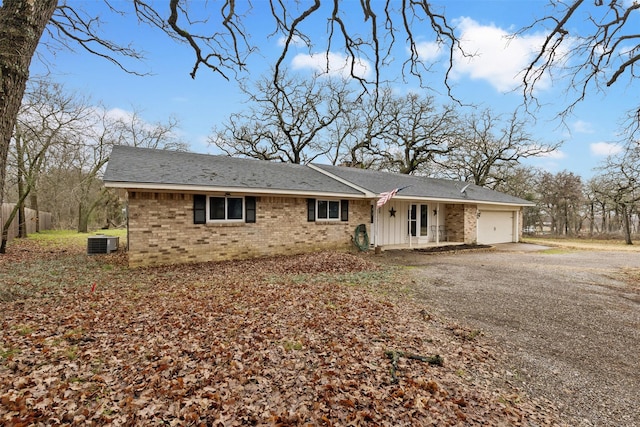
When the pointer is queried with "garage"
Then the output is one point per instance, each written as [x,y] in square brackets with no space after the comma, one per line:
[495,227]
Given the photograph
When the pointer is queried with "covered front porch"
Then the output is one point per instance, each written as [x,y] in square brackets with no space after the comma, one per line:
[402,224]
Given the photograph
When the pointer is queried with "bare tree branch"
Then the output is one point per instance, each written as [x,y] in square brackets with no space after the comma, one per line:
[69,25]
[591,60]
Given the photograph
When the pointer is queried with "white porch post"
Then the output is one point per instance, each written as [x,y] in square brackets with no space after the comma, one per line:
[375,236]
[437,223]
[409,223]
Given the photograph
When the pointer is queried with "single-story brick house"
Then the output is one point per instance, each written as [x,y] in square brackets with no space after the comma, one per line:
[187,207]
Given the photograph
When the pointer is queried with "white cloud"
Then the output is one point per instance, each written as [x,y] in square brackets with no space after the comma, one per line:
[333,64]
[295,41]
[428,51]
[555,155]
[581,126]
[119,114]
[495,56]
[604,149]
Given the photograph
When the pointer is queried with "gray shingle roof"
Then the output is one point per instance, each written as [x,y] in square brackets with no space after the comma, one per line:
[420,187]
[134,165]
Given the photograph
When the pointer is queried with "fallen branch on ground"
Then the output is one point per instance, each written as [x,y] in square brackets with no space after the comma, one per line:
[394,356]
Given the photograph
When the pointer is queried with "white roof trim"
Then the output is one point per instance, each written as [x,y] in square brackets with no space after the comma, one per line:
[234,190]
[280,192]
[456,201]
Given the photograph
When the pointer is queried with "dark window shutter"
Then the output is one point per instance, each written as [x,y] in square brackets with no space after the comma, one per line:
[311,210]
[344,210]
[249,209]
[199,209]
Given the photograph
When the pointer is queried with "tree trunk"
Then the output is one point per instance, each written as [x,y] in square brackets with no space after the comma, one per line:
[21,26]
[83,218]
[9,220]
[34,206]
[566,219]
[5,229]
[22,220]
[626,224]
[592,218]
[84,212]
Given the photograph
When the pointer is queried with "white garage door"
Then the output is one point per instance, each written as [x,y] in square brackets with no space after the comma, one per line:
[495,227]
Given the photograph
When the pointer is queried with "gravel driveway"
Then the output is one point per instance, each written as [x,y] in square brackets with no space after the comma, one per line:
[567,322]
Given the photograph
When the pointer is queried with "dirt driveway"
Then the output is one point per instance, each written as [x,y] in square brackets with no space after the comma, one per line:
[567,321]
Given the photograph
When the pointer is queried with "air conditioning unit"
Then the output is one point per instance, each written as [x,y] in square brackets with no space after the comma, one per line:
[101,244]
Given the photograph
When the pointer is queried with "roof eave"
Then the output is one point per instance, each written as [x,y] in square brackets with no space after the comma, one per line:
[143,186]
[461,201]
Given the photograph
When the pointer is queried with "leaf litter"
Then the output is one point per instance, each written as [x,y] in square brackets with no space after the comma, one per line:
[283,341]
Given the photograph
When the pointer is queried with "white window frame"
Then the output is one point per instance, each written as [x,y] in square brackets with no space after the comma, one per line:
[226,208]
[418,219]
[328,201]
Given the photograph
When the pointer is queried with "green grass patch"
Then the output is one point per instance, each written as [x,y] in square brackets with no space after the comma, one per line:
[24,330]
[72,237]
[555,251]
[292,345]
[8,353]
[567,241]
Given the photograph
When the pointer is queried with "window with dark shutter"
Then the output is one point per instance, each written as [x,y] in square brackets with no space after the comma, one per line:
[199,209]
[250,209]
[311,210]
[344,210]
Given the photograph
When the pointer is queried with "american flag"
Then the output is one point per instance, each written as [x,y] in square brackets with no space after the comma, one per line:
[386,196]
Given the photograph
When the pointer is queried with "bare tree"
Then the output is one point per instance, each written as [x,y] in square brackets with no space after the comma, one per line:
[599,204]
[605,53]
[129,128]
[489,147]
[361,129]
[65,143]
[287,122]
[621,176]
[49,116]
[561,196]
[387,131]
[91,153]
[416,131]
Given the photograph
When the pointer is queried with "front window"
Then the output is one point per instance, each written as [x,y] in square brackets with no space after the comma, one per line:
[226,208]
[329,209]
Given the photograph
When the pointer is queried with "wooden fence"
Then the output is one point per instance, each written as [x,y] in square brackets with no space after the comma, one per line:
[5,211]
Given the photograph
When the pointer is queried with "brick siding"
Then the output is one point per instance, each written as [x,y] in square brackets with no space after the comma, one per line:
[161,230]
[461,223]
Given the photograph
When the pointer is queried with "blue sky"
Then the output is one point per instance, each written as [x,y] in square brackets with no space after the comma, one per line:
[488,80]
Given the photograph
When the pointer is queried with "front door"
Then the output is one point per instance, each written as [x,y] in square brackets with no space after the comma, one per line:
[418,220]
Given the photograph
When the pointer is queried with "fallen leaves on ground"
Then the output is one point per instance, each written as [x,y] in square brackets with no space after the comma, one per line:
[287,341]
